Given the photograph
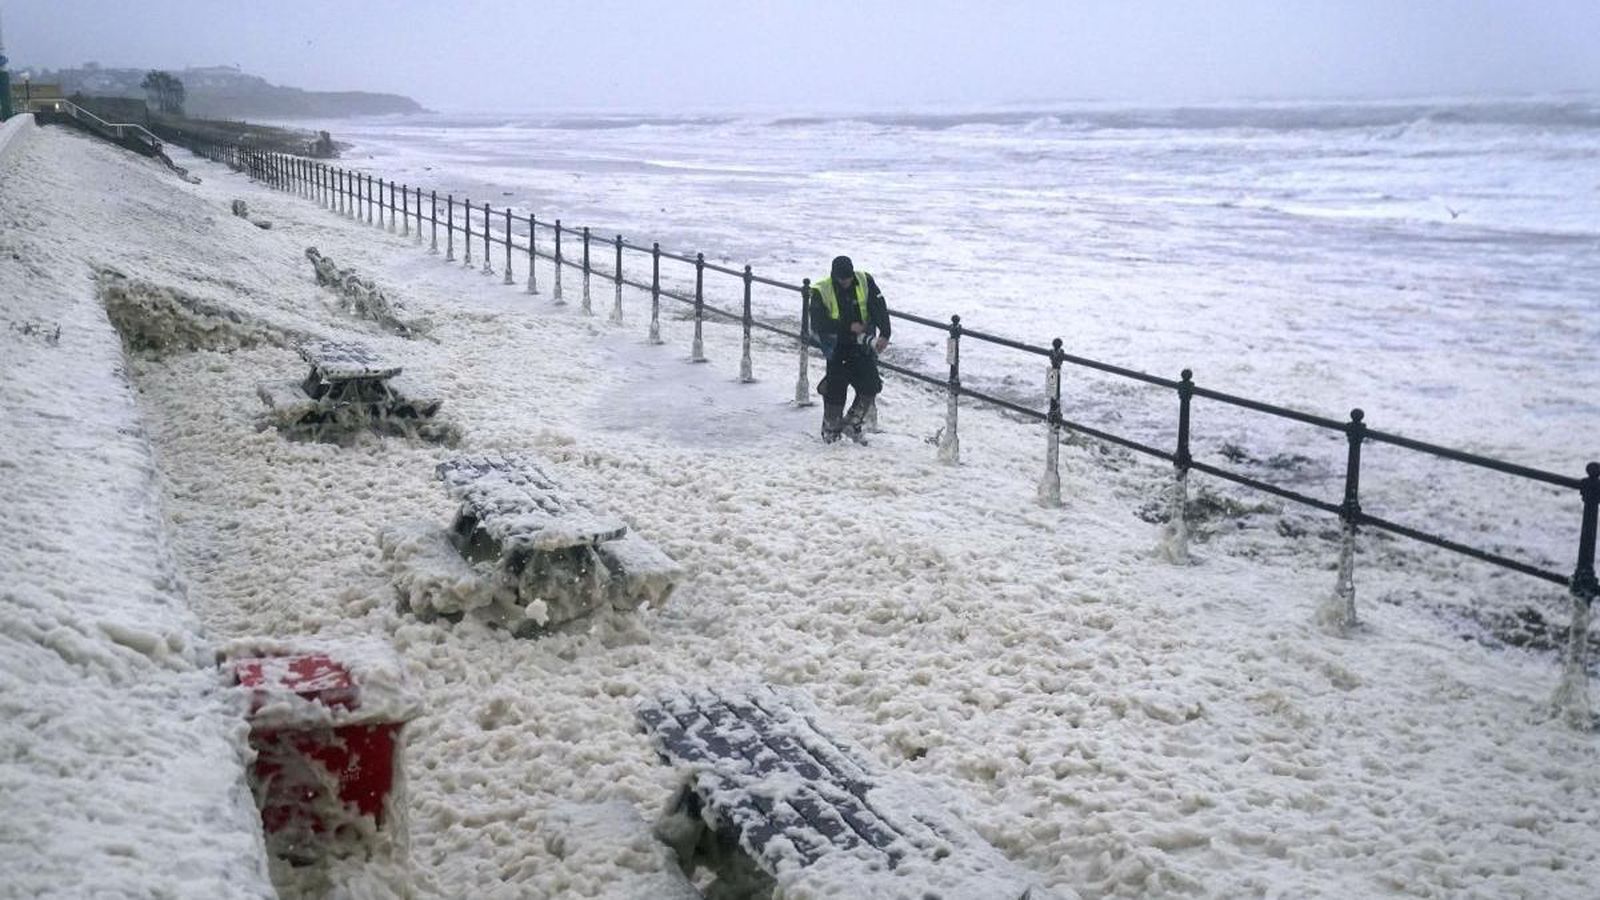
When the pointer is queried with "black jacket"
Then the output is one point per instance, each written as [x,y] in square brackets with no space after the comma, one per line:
[827,332]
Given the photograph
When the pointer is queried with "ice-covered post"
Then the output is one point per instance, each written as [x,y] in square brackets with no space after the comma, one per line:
[616,306]
[338,191]
[405,210]
[949,440]
[698,352]
[533,254]
[746,369]
[487,268]
[392,206]
[450,228]
[1338,611]
[1572,696]
[1175,535]
[655,293]
[510,279]
[433,222]
[587,310]
[370,221]
[1050,483]
[802,385]
[466,233]
[556,297]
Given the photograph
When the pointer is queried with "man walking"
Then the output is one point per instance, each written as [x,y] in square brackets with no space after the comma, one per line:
[850,322]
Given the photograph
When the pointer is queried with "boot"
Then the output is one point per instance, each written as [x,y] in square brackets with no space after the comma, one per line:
[857,415]
[832,421]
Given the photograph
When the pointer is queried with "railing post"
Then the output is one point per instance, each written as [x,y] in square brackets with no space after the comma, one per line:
[616,306]
[698,351]
[556,297]
[746,368]
[1174,546]
[587,310]
[950,440]
[450,228]
[466,233]
[433,222]
[487,256]
[393,207]
[802,385]
[416,236]
[1050,483]
[510,278]
[655,293]
[322,184]
[338,190]
[1338,611]
[533,255]
[1571,699]
[405,210]
[370,221]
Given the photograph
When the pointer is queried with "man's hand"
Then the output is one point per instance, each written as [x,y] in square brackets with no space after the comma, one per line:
[857,327]
[879,344]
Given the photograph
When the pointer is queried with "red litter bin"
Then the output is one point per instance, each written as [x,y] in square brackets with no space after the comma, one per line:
[328,778]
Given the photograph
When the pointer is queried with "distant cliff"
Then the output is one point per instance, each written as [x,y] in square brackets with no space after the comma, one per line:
[226,92]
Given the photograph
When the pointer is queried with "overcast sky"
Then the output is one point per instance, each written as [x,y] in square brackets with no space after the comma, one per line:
[833,54]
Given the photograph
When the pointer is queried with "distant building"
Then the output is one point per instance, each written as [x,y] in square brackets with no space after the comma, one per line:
[26,95]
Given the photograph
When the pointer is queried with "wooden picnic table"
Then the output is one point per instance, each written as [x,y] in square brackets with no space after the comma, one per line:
[526,553]
[349,387]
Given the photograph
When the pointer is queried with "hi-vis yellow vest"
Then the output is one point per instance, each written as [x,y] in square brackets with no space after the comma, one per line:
[830,298]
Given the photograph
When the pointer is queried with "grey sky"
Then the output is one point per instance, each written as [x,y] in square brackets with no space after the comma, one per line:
[834,54]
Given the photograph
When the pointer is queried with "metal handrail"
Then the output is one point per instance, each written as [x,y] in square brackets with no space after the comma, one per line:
[78,112]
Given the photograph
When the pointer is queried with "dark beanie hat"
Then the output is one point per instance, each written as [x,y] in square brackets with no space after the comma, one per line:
[843,268]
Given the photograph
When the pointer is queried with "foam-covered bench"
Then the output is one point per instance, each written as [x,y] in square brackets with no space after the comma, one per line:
[523,552]
[770,800]
[349,388]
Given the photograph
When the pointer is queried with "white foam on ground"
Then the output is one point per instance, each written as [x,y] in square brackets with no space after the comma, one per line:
[1117,725]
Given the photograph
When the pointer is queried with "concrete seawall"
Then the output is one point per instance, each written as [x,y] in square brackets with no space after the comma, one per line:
[14,134]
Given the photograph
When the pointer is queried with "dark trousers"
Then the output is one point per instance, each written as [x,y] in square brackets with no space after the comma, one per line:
[850,366]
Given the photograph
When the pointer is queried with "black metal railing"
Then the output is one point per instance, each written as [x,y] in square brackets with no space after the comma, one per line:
[353,194]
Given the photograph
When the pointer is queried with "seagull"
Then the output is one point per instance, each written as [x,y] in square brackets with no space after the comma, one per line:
[1454,213]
